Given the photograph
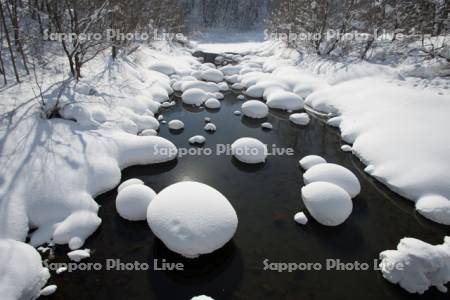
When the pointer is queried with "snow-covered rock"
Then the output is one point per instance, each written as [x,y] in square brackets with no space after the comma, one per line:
[416,266]
[241,97]
[79,255]
[257,90]
[285,101]
[128,183]
[149,132]
[327,203]
[197,139]
[335,121]
[223,86]
[335,174]
[300,119]
[346,148]
[164,68]
[300,218]
[434,207]
[176,125]
[255,109]
[202,297]
[249,150]
[212,103]
[267,125]
[213,75]
[192,218]
[48,290]
[132,202]
[22,275]
[210,127]
[237,86]
[237,112]
[310,161]
[209,87]
[194,96]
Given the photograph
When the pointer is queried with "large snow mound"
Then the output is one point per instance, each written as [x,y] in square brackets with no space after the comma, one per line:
[284,100]
[22,275]
[335,174]
[329,204]
[416,266]
[192,218]
[132,202]
[255,109]
[249,150]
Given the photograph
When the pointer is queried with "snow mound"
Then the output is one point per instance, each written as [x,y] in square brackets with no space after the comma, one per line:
[164,68]
[257,90]
[417,265]
[249,150]
[79,255]
[22,275]
[213,75]
[76,228]
[132,202]
[48,290]
[435,208]
[300,218]
[300,119]
[327,203]
[237,112]
[210,127]
[212,103]
[335,174]
[208,87]
[310,161]
[149,132]
[192,218]
[176,125]
[202,297]
[241,97]
[194,96]
[346,148]
[197,139]
[284,100]
[267,125]
[255,109]
[128,183]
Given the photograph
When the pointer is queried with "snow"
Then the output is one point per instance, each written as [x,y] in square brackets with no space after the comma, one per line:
[237,112]
[79,255]
[249,150]
[149,132]
[161,67]
[212,103]
[195,96]
[284,100]
[48,290]
[399,131]
[335,174]
[176,125]
[241,97]
[300,218]
[192,218]
[237,86]
[257,90]
[22,275]
[327,203]
[267,125]
[299,119]
[346,148]
[419,265]
[197,139]
[208,87]
[311,160]
[434,207]
[128,183]
[61,270]
[76,228]
[210,127]
[213,75]
[132,202]
[202,297]
[255,109]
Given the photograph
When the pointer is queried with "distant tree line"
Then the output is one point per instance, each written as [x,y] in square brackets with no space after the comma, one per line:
[422,21]
[25,25]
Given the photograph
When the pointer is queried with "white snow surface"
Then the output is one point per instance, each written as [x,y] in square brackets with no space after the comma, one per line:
[201,297]
[300,218]
[197,139]
[327,203]
[418,265]
[255,109]
[132,202]
[22,275]
[249,150]
[300,119]
[192,218]
[335,174]
[311,160]
[128,183]
[212,103]
[79,255]
[176,125]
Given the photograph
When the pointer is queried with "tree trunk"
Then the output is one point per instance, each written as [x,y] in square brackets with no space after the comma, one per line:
[8,40]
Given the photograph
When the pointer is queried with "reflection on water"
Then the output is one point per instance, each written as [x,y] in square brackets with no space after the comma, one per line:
[266,197]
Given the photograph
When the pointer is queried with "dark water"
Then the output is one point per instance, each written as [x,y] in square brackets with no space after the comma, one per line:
[266,197]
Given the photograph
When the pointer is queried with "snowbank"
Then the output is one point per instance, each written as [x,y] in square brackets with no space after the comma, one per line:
[192,218]
[22,275]
[416,266]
